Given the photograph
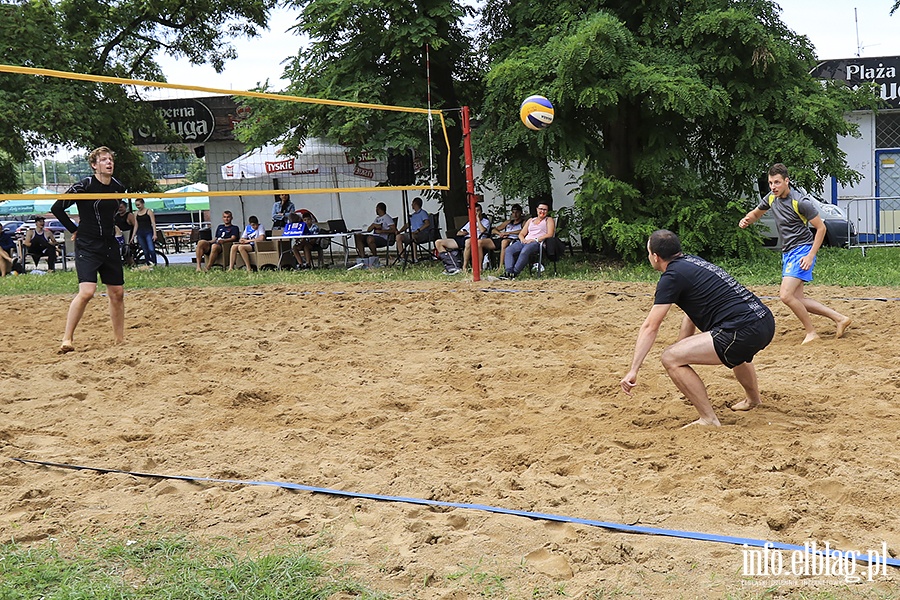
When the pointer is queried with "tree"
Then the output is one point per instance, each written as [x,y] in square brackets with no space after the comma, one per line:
[117,38]
[374,51]
[196,172]
[673,109]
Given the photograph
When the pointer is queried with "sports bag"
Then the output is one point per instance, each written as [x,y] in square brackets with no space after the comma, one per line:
[451,259]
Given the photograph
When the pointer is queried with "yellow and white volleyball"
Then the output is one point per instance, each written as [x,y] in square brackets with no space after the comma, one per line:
[536,112]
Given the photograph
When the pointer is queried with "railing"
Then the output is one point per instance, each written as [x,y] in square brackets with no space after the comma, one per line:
[877,220]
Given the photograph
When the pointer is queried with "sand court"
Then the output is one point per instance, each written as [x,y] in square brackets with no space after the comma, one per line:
[505,395]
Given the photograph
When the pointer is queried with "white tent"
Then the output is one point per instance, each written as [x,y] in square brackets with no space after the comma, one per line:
[319,163]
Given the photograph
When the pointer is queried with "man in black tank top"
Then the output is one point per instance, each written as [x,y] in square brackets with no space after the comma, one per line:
[734,325]
[96,248]
[124,220]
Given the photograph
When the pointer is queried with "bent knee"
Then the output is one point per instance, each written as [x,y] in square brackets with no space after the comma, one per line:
[671,359]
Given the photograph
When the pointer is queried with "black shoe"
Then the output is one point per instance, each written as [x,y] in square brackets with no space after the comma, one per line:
[508,275]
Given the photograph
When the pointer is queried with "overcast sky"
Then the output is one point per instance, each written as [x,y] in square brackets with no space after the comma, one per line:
[831,25]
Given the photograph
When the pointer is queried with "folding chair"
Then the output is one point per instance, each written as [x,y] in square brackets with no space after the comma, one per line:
[553,249]
[391,242]
[423,245]
[433,235]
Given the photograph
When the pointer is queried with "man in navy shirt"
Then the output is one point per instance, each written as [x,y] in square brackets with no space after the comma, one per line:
[226,232]
[96,247]
[733,322]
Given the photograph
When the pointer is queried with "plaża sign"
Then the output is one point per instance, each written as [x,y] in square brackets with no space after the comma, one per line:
[856,71]
[191,120]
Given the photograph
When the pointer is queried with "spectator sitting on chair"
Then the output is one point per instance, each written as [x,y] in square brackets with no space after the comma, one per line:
[420,228]
[508,231]
[6,246]
[226,232]
[41,242]
[376,236]
[306,245]
[281,209]
[482,223]
[521,252]
[252,233]
[124,220]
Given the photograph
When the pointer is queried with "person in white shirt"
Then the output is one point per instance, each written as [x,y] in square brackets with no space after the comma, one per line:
[252,234]
[376,236]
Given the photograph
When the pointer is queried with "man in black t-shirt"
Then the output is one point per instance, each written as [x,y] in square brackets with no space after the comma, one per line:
[96,247]
[734,325]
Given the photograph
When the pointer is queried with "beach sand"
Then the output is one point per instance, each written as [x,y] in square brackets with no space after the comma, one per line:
[502,393]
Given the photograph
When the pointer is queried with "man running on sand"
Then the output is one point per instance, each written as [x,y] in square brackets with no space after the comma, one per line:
[734,325]
[793,211]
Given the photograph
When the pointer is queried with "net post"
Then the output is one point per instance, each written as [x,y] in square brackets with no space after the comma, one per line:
[470,195]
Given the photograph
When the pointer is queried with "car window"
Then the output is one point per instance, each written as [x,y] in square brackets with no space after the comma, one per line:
[830,210]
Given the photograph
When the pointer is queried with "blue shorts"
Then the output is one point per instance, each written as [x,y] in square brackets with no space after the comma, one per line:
[790,263]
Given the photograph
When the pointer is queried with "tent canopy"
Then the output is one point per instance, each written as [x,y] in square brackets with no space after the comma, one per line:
[172,202]
[317,165]
[29,207]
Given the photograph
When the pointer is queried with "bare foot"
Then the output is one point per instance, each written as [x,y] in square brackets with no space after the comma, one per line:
[810,337]
[703,422]
[65,348]
[842,326]
[744,405]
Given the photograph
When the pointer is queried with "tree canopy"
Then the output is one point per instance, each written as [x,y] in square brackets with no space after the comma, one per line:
[118,38]
[378,52]
[673,110]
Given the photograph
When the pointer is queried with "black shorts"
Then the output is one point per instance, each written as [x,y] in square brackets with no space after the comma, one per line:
[99,257]
[735,347]
[380,242]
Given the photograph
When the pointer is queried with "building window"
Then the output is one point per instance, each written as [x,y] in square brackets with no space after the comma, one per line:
[887,129]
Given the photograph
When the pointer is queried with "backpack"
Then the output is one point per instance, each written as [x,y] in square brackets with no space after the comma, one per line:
[794,202]
[451,259]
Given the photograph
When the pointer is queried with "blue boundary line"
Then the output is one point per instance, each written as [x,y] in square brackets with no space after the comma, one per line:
[707,537]
[531,291]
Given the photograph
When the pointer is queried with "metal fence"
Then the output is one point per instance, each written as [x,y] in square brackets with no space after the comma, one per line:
[877,220]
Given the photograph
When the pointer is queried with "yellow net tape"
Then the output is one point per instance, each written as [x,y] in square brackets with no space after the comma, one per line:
[240,93]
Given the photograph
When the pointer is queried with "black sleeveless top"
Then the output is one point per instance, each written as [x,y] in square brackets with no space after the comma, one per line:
[143,221]
[122,221]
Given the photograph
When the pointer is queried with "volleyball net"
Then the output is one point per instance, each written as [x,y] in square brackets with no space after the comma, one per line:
[210,123]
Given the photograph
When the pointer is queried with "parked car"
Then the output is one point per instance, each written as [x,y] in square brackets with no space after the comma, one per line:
[55,226]
[840,231]
[52,225]
[11,227]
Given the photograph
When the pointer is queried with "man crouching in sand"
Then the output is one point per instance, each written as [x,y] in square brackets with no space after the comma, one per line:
[734,325]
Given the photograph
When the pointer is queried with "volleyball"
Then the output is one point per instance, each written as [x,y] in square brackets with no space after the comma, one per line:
[536,112]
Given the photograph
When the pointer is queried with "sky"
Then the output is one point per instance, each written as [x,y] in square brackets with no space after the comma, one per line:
[837,29]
